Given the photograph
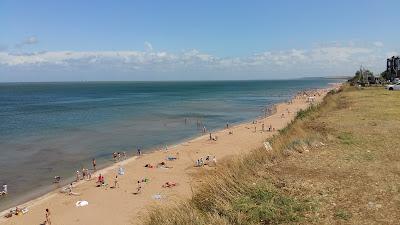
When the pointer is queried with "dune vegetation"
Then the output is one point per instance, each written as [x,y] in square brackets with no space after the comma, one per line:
[337,162]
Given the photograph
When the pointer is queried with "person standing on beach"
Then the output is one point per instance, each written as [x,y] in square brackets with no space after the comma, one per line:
[139,152]
[114,156]
[214,161]
[70,189]
[263,127]
[48,220]
[94,164]
[77,176]
[116,184]
[139,187]
[210,137]
[5,191]
[227,125]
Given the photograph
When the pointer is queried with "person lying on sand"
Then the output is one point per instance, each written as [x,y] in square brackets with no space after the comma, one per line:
[149,166]
[169,184]
[163,165]
[17,211]
[70,192]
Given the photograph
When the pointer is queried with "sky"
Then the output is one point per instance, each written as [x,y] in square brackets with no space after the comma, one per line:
[194,40]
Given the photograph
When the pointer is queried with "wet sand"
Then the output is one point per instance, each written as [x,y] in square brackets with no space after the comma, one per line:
[120,206]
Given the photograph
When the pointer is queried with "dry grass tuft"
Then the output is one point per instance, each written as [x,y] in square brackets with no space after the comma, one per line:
[316,187]
[239,192]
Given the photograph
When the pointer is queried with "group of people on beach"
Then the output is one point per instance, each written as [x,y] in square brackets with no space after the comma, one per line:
[206,161]
[4,191]
[270,128]
[16,211]
[213,138]
[102,183]
[307,94]
[119,156]
[84,174]
[139,185]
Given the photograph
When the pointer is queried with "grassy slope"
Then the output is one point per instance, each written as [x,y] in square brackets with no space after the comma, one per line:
[337,163]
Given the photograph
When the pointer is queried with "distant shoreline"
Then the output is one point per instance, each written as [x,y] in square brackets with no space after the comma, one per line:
[169,81]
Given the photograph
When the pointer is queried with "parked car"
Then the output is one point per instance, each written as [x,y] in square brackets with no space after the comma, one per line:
[393,87]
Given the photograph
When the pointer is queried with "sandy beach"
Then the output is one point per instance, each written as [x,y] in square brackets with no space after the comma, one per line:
[121,205]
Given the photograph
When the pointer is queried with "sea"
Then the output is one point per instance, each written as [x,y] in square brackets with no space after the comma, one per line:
[55,129]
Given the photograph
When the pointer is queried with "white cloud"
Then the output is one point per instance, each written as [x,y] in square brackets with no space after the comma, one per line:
[28,41]
[320,59]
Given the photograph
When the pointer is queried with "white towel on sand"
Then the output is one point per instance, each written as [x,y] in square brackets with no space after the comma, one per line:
[81,203]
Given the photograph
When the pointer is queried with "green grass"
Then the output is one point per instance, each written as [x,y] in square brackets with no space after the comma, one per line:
[325,167]
[346,138]
[343,215]
[265,204]
[239,193]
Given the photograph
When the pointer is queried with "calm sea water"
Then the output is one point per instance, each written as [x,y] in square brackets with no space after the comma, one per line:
[49,129]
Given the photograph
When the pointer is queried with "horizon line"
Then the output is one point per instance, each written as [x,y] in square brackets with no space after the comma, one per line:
[216,80]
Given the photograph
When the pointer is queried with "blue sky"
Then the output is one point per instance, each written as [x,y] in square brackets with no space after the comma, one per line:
[167,40]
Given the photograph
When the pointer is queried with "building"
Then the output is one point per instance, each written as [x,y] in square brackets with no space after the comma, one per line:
[393,67]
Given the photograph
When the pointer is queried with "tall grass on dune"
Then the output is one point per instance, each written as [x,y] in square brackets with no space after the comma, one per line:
[241,191]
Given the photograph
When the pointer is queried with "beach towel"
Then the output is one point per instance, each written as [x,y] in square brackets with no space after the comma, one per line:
[171,158]
[121,171]
[81,203]
[157,197]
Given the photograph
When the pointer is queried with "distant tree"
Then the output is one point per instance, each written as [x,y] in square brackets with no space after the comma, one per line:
[357,76]
[386,75]
[369,73]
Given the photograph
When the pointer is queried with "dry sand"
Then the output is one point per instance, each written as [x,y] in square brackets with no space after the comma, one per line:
[119,206]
